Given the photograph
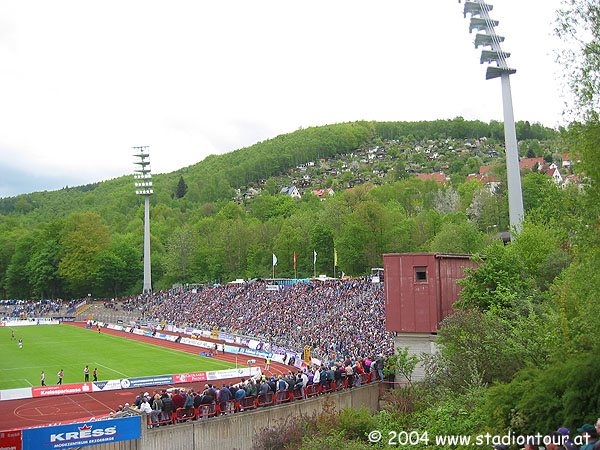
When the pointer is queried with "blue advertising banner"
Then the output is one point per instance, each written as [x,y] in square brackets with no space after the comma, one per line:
[259,353]
[232,349]
[127,383]
[81,434]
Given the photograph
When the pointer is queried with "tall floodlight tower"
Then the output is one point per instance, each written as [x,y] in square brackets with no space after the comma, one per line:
[493,53]
[143,184]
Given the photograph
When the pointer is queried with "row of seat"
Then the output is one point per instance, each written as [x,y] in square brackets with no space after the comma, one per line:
[249,403]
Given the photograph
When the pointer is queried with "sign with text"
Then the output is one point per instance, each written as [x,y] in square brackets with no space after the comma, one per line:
[10,440]
[62,389]
[82,434]
[127,383]
[189,377]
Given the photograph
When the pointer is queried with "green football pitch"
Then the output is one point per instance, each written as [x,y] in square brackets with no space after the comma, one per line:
[54,347]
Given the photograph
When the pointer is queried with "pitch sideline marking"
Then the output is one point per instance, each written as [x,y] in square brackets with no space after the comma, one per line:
[112,370]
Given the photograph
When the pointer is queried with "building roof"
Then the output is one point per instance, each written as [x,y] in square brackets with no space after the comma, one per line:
[322,192]
[288,190]
[484,179]
[439,177]
[485,169]
[529,163]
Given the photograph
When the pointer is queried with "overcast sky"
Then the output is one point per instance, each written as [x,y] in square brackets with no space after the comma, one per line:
[82,82]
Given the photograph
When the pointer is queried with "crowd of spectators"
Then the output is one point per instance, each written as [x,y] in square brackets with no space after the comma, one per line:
[338,318]
[33,308]
[160,405]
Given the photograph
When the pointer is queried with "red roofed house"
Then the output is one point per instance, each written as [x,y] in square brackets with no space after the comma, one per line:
[321,193]
[483,170]
[555,174]
[529,163]
[492,183]
[440,177]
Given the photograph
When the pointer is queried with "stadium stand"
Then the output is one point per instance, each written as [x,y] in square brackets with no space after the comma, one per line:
[339,319]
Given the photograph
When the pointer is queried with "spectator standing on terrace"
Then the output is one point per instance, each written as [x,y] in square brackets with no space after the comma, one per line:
[167,410]
[43,378]
[224,394]
[178,400]
[590,436]
[189,399]
[86,374]
[568,443]
[379,366]
[556,440]
[60,376]
[157,403]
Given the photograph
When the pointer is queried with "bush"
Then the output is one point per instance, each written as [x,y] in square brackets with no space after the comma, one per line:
[566,394]
[356,424]
[283,434]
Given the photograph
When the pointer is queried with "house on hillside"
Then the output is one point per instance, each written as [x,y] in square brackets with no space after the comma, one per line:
[489,181]
[572,179]
[439,177]
[323,193]
[554,174]
[530,163]
[486,170]
[251,193]
[292,191]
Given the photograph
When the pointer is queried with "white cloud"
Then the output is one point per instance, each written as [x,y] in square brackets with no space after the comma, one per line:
[81,83]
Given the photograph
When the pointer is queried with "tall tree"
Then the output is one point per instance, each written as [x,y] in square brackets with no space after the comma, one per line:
[84,236]
[578,24]
[180,249]
[181,188]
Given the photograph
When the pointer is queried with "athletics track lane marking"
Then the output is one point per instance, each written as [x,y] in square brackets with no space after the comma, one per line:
[102,403]
[82,407]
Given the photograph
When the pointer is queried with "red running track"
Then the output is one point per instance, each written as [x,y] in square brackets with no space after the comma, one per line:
[33,412]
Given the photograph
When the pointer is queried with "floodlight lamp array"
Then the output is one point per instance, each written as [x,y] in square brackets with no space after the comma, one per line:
[143,175]
[480,20]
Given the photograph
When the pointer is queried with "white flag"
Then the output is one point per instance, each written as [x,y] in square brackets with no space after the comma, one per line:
[315,259]
[274,260]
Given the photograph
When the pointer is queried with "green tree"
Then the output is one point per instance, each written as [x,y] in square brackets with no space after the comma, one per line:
[83,237]
[180,249]
[17,279]
[500,278]
[578,24]
[321,241]
[43,271]
[182,188]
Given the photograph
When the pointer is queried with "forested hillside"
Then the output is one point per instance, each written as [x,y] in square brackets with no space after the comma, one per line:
[224,217]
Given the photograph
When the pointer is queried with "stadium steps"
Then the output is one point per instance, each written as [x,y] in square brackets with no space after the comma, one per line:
[83,309]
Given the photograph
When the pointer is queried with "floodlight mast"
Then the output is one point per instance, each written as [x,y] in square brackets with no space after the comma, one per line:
[481,21]
[143,181]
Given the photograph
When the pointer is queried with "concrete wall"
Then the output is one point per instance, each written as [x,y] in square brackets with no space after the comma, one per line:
[417,343]
[235,431]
